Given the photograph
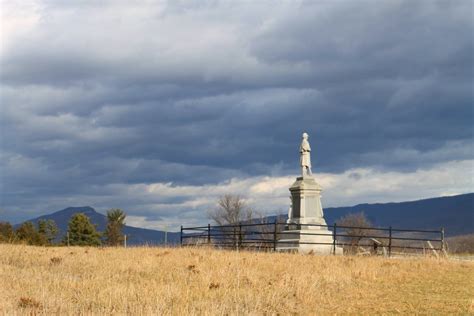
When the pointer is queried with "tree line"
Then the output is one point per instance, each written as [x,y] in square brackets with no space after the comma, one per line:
[80,232]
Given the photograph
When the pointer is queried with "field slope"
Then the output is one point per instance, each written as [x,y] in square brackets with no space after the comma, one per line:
[204,281]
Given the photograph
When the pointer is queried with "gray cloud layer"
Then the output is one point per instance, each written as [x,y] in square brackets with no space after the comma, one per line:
[98,95]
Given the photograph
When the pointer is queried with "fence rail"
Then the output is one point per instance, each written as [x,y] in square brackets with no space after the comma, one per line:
[268,237]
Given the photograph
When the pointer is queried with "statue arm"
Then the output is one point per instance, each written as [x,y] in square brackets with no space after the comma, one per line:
[304,147]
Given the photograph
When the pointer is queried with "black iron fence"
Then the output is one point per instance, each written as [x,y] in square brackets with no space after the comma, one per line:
[352,239]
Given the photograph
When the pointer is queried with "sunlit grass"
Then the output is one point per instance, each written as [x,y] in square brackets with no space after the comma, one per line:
[205,281]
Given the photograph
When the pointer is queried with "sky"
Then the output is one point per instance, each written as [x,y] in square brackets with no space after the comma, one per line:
[160,108]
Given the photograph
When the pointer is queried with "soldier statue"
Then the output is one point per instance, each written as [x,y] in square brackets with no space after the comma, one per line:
[305,159]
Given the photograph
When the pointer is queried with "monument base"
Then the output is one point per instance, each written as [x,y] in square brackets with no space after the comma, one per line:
[308,241]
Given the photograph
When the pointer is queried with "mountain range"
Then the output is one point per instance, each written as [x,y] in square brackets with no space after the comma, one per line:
[454,213]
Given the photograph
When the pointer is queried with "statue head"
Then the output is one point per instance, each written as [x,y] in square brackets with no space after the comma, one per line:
[305,136]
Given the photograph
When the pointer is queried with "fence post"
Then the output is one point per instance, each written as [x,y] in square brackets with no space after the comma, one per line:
[240,235]
[334,239]
[389,241]
[67,239]
[125,241]
[234,235]
[275,236]
[208,234]
[181,236]
[442,239]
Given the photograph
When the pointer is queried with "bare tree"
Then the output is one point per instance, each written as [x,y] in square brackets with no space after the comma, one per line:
[356,228]
[231,210]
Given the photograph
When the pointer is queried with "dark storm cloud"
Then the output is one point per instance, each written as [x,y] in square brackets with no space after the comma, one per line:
[98,95]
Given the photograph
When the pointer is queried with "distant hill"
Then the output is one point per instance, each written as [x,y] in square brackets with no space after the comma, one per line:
[454,213]
[135,235]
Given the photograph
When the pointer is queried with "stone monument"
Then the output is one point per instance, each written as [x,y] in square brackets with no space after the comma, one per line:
[302,232]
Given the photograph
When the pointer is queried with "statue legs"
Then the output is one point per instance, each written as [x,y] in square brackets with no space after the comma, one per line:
[305,170]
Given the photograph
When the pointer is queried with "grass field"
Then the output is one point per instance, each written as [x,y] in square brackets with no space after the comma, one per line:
[61,280]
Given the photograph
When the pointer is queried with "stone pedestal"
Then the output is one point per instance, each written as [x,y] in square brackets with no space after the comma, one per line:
[315,241]
[306,209]
[306,203]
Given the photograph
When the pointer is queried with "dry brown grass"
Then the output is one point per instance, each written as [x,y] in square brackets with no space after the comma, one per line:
[37,280]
